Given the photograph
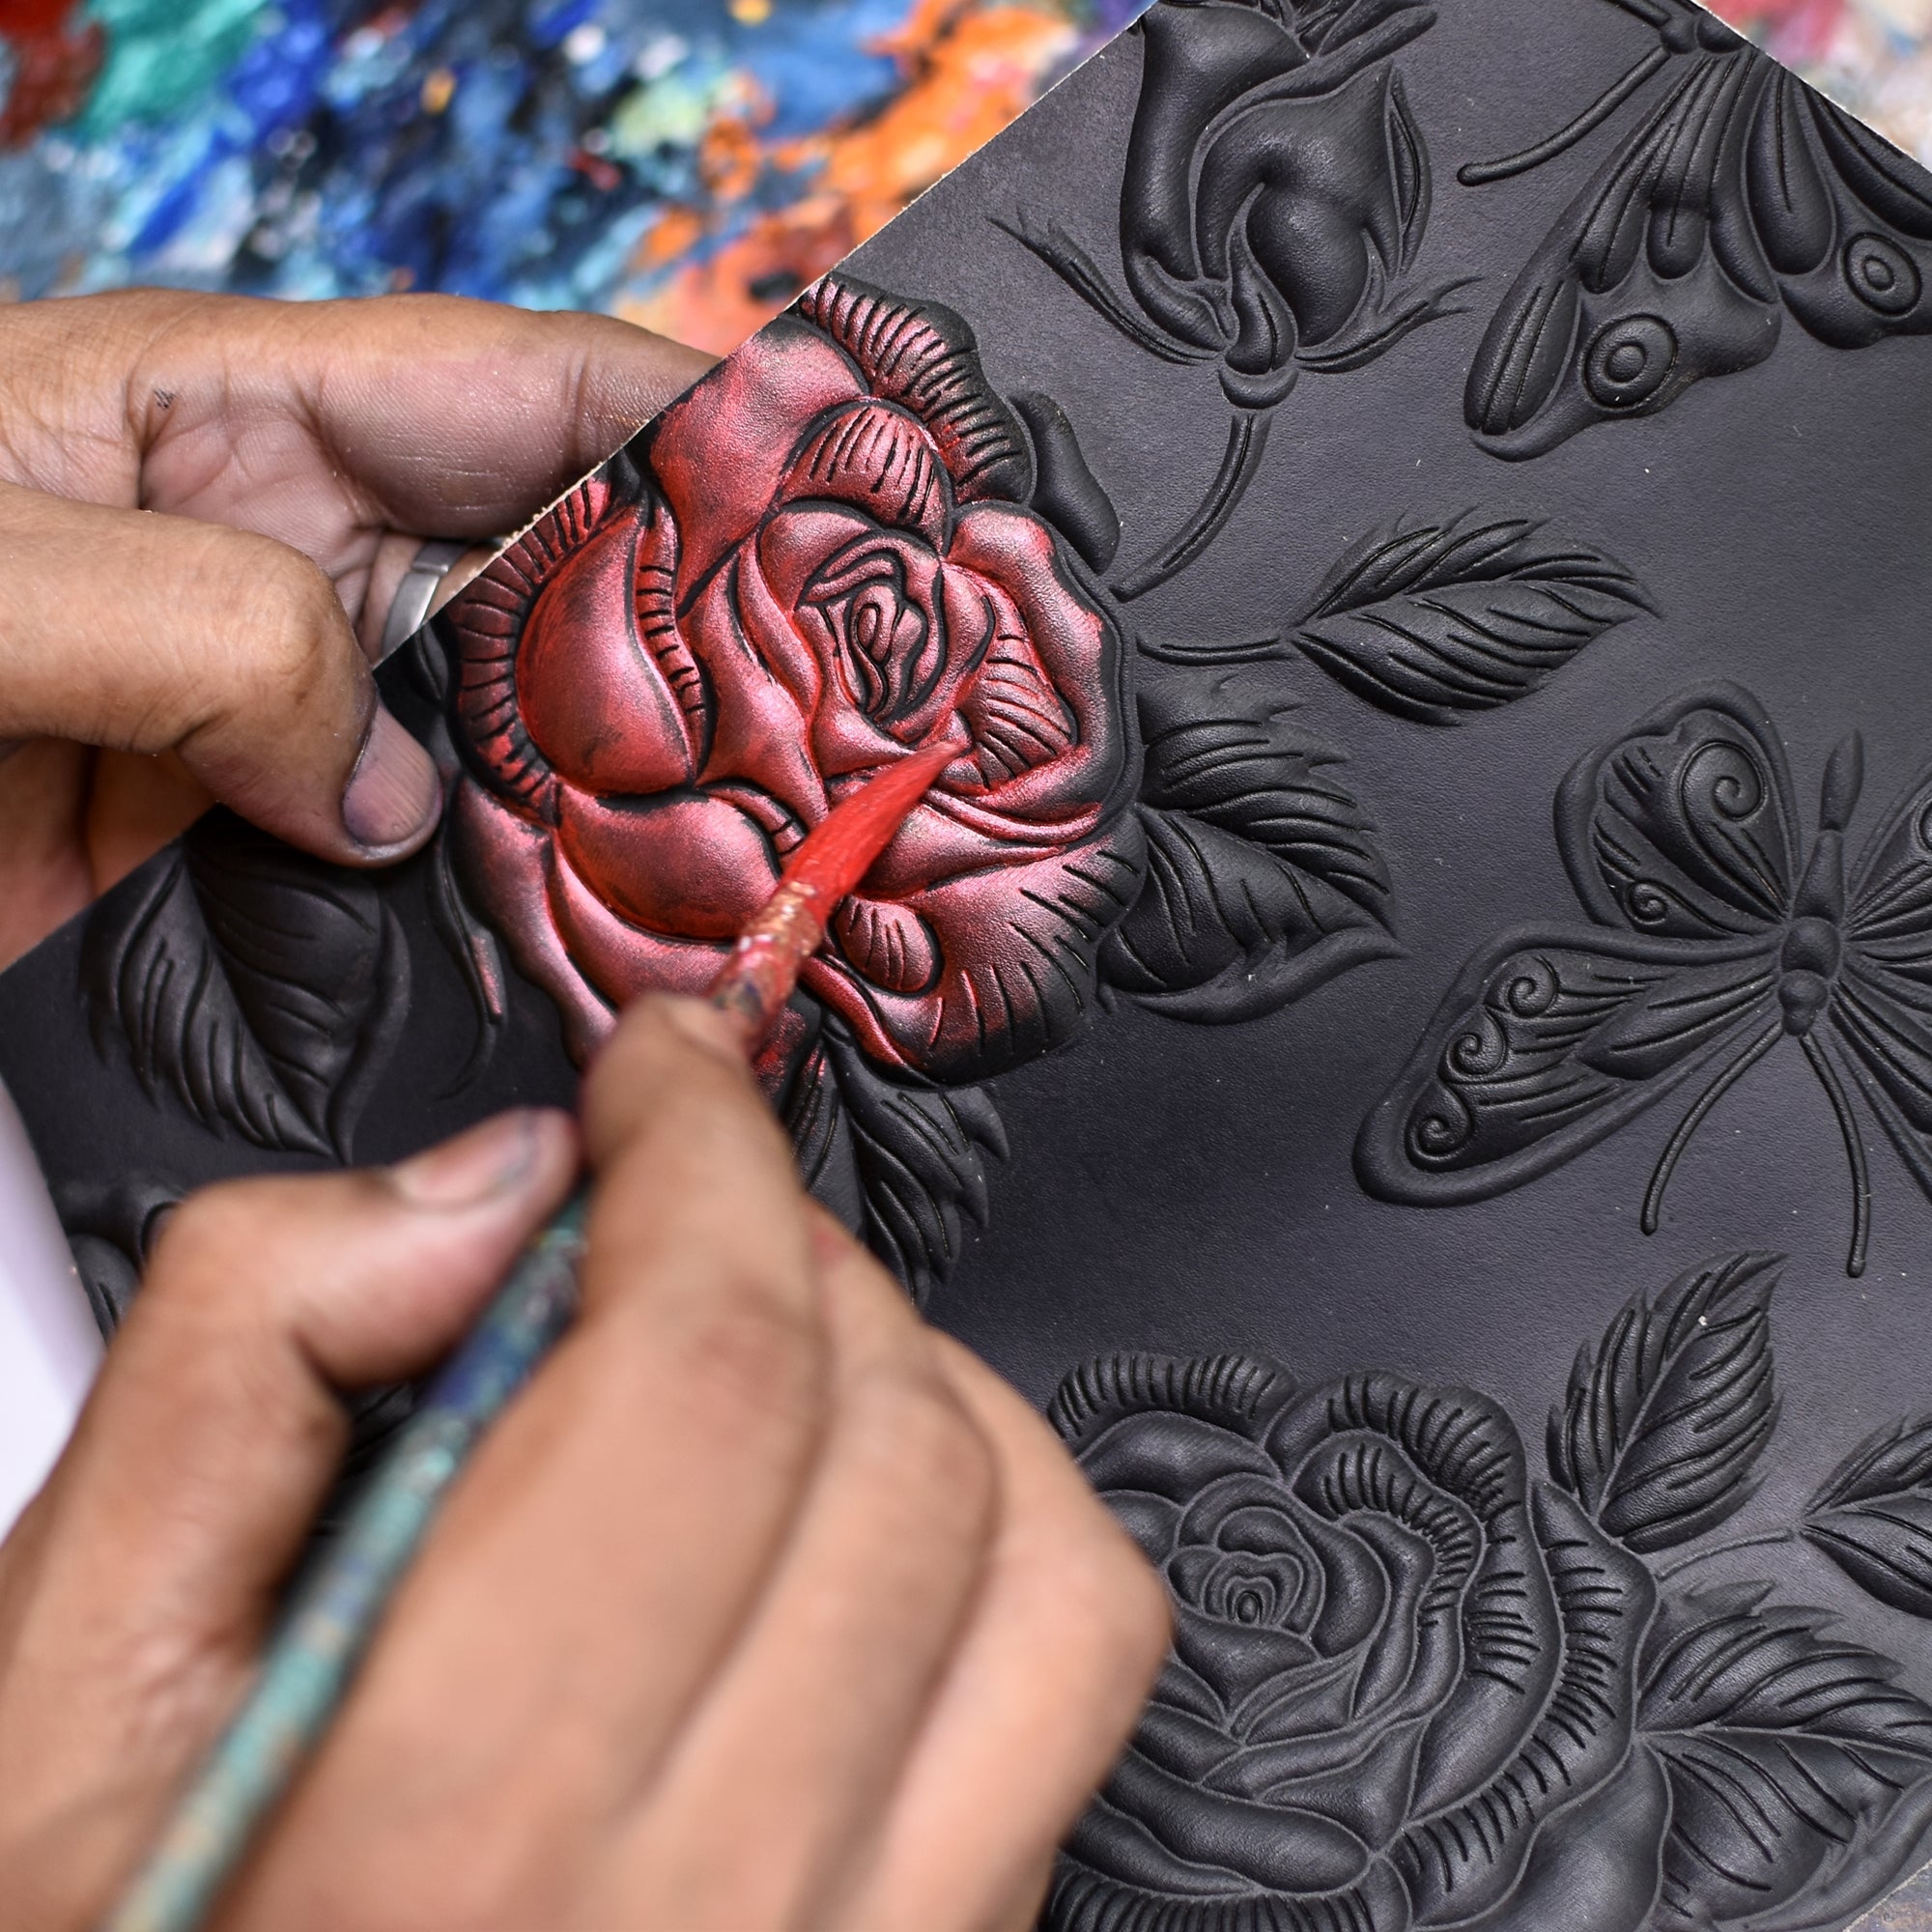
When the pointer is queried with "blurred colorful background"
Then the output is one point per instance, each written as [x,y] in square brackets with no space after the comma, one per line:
[687,163]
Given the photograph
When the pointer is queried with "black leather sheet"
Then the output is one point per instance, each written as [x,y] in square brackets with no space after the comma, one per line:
[1409,1025]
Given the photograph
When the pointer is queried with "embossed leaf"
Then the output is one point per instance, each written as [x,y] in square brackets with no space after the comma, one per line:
[1873,1517]
[263,988]
[1792,1755]
[1263,875]
[1433,621]
[904,1165]
[1665,1418]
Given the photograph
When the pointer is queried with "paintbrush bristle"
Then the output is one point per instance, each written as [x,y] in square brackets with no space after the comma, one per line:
[841,850]
[763,968]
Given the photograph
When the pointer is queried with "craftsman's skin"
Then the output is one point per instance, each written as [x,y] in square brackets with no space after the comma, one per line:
[766,1606]
[206,504]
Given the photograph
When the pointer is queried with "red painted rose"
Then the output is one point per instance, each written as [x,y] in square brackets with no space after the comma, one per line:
[831,566]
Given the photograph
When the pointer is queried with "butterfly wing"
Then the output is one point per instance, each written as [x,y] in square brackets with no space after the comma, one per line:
[1684,827]
[1550,1040]
[1880,1008]
[1680,836]
[1651,278]
[1845,220]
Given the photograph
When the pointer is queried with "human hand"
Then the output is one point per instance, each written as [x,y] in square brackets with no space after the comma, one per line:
[205,503]
[764,1606]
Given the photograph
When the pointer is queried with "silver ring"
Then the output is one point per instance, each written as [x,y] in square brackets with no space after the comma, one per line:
[409,608]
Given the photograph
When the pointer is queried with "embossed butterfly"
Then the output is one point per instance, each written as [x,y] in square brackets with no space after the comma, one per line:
[1739,195]
[1717,937]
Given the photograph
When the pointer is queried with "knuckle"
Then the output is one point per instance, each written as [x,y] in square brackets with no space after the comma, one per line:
[303,649]
[910,1429]
[750,1357]
[206,1234]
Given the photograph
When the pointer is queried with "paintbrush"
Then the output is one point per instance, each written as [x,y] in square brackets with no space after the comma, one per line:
[309,1666]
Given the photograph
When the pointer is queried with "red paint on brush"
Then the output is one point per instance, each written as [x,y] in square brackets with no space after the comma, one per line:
[763,968]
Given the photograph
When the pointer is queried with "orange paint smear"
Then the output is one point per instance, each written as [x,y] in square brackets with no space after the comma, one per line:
[971,69]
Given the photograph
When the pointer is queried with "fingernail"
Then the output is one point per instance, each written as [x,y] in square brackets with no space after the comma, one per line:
[394,793]
[498,1159]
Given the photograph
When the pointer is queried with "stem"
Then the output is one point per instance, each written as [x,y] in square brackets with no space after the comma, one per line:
[1763,1542]
[1247,438]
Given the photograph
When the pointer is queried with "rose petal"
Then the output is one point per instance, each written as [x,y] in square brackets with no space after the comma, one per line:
[1187,1746]
[484,624]
[1235,1660]
[1218,1499]
[1077,648]
[618,959]
[1266,1529]
[1365,1789]
[507,861]
[861,714]
[1596,1868]
[1117,1847]
[1463,1441]
[1018,948]
[1279,1849]
[888,944]
[1149,1520]
[1198,61]
[1310,182]
[684,865]
[1166,1454]
[1188,1570]
[1516,1647]
[925,358]
[1355,1598]
[760,731]
[881,460]
[597,702]
[721,451]
[1460,1861]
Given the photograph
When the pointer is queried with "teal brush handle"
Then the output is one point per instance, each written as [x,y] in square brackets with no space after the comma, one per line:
[309,1666]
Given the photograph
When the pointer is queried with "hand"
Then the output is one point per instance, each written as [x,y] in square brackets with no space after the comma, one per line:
[764,1606]
[205,503]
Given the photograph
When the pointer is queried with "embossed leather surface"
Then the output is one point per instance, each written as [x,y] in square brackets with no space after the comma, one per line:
[1407,1024]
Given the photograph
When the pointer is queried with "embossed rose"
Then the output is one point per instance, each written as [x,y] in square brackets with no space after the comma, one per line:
[1402,1687]
[1274,198]
[822,561]
[1276,189]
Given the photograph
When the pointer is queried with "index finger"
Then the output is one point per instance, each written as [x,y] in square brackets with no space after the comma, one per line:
[433,414]
[601,1552]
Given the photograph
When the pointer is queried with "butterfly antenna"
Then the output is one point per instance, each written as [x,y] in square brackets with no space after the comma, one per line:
[1478,174]
[1727,1077]
[1855,1150]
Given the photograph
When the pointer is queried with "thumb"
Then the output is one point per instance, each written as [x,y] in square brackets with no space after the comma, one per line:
[137,1589]
[152,633]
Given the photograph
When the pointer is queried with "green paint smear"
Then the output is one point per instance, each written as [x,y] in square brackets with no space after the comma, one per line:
[161,54]
[672,113]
